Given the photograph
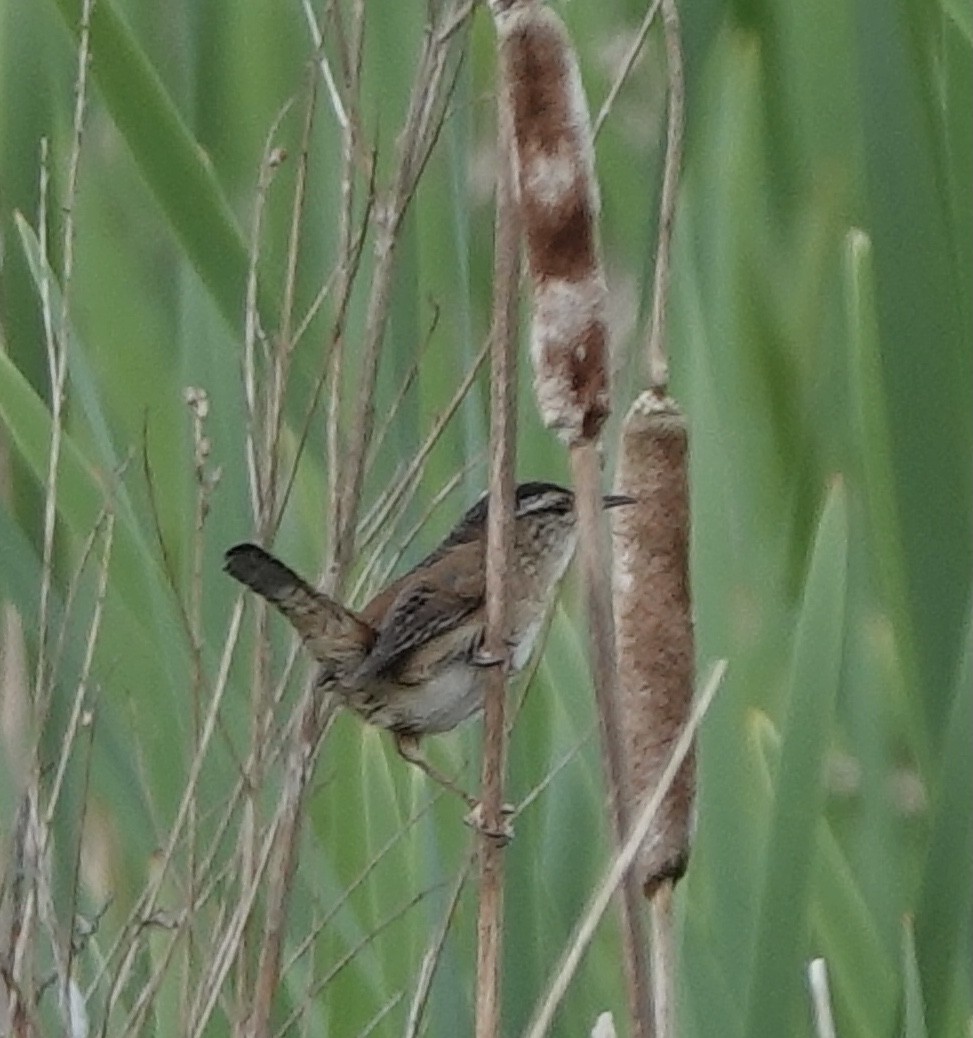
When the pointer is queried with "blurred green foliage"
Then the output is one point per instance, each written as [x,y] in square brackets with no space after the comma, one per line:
[820,340]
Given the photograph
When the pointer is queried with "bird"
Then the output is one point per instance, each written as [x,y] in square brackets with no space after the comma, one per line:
[412,660]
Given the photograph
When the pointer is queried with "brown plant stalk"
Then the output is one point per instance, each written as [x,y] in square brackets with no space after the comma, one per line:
[500,536]
[540,87]
[427,106]
[653,607]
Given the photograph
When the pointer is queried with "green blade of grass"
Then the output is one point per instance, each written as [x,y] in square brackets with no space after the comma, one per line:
[872,429]
[914,1016]
[863,973]
[175,168]
[776,980]
[942,921]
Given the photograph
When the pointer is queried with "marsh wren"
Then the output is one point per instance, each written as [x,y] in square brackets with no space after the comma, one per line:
[412,659]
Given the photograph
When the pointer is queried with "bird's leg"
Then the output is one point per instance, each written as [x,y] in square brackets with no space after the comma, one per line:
[408,748]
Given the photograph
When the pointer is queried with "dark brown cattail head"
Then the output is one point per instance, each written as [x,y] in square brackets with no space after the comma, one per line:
[541,90]
[653,620]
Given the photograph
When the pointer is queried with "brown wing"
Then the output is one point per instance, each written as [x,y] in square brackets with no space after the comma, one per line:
[428,602]
[331,633]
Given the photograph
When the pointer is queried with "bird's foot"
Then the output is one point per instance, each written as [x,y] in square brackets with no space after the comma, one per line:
[486,659]
[503,833]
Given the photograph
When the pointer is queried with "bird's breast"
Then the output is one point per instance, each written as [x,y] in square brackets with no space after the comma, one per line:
[437,704]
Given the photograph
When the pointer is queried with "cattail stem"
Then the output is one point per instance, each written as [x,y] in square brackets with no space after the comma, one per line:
[503,396]
[658,346]
[663,930]
[596,568]
[540,87]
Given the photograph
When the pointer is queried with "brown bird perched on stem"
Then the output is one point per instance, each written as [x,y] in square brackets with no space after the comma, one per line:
[412,660]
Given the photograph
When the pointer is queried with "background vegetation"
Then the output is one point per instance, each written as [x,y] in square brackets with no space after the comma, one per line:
[820,336]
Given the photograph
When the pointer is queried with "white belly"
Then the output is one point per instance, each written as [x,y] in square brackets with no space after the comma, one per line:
[437,705]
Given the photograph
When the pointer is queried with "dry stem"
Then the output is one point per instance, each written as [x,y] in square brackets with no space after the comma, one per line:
[500,534]
[622,863]
[658,348]
[597,582]
[662,921]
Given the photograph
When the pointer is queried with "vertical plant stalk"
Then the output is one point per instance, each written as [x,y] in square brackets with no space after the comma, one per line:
[503,434]
[596,570]
[540,86]
[642,822]
[315,716]
[652,593]
[658,347]
[427,109]
[33,898]
[261,387]
[559,195]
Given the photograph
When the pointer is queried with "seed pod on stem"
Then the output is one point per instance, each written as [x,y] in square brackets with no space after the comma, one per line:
[540,86]
[654,626]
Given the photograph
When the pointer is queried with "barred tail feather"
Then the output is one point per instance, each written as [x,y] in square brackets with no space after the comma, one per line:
[331,632]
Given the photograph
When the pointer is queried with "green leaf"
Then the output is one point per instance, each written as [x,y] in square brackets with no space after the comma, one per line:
[942,920]
[914,1024]
[960,14]
[874,458]
[177,171]
[776,980]
[864,977]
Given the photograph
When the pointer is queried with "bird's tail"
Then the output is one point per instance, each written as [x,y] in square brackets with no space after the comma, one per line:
[333,634]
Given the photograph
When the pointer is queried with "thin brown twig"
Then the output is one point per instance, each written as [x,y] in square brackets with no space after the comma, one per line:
[499,551]
[224,953]
[345,275]
[38,895]
[320,983]
[88,725]
[657,345]
[419,131]
[433,954]
[253,332]
[403,391]
[337,105]
[77,708]
[626,66]
[346,894]
[74,584]
[146,903]
[402,543]
[316,714]
[285,344]
[413,472]
[348,268]
[198,403]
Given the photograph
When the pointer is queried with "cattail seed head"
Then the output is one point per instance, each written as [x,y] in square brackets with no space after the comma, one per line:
[653,620]
[541,90]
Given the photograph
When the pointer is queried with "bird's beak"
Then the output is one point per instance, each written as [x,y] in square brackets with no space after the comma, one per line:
[614,500]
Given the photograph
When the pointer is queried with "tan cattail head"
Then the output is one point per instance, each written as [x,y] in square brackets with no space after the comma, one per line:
[653,619]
